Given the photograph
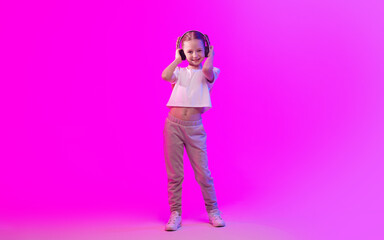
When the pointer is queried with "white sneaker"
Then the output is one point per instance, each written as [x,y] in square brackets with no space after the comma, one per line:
[215,218]
[174,222]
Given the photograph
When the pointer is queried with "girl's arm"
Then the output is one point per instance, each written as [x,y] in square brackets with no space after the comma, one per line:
[208,65]
[168,72]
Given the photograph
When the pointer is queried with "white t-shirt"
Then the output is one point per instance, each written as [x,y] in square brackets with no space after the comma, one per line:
[191,88]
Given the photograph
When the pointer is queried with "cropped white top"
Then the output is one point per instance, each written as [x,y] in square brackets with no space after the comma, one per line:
[191,88]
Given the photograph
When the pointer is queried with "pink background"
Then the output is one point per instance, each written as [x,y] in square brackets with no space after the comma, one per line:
[295,135]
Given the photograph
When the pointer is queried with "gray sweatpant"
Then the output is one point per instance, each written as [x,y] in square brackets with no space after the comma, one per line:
[191,134]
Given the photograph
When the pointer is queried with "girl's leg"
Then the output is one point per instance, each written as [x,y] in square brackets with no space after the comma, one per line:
[173,151]
[196,147]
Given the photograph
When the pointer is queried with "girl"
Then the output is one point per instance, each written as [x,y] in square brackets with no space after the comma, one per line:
[190,98]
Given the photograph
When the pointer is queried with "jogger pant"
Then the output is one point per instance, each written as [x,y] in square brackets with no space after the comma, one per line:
[191,135]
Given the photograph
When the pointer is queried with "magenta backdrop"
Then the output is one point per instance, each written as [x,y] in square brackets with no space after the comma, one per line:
[295,135]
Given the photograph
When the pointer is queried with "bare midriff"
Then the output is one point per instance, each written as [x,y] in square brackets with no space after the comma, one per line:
[187,113]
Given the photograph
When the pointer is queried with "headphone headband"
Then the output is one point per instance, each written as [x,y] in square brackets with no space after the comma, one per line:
[205,37]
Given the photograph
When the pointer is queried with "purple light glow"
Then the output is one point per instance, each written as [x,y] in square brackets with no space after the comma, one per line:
[295,135]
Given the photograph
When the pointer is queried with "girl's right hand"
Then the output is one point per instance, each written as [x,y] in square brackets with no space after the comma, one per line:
[177,56]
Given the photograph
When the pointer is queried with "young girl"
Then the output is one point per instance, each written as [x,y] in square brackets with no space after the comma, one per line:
[190,98]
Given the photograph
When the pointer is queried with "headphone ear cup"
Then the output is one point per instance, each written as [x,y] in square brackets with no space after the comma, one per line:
[207,47]
[182,54]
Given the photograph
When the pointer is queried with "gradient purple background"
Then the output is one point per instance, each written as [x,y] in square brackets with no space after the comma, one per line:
[295,135]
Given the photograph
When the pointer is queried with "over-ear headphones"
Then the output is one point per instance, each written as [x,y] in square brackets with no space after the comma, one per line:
[206,44]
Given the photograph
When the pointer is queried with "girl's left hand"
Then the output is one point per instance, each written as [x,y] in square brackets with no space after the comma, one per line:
[211,52]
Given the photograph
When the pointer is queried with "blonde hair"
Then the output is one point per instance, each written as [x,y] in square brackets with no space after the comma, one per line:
[193,35]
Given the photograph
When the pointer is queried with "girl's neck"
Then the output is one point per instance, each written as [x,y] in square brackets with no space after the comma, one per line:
[195,67]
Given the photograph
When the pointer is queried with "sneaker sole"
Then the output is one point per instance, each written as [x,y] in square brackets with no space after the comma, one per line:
[172,230]
[216,226]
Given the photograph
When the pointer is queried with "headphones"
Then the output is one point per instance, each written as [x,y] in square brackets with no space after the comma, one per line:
[206,44]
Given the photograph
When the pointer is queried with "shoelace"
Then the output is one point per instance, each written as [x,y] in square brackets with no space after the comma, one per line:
[172,218]
[216,216]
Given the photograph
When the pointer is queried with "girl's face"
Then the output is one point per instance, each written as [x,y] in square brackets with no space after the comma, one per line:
[194,51]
